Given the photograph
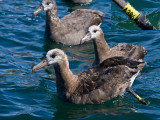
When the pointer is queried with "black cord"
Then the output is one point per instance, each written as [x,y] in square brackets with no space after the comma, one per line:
[144,23]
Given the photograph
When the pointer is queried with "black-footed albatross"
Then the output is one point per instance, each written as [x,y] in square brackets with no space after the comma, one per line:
[95,85]
[103,51]
[70,29]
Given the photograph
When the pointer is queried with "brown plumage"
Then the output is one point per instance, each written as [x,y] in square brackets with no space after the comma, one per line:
[71,29]
[95,85]
[103,51]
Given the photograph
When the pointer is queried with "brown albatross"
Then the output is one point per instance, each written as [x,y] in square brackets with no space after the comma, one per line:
[103,51]
[70,29]
[95,85]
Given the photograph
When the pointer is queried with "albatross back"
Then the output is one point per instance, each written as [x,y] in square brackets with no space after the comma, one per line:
[105,81]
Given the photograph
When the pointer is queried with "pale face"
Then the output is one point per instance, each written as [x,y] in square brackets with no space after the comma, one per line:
[53,57]
[95,31]
[47,4]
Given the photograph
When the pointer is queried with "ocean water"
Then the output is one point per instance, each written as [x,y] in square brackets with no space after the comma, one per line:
[150,8]
[32,96]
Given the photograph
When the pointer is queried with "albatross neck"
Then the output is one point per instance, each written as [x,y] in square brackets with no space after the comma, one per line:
[52,21]
[101,48]
[52,16]
[66,81]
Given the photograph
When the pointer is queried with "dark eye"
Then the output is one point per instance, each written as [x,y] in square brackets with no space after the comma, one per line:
[95,31]
[53,56]
[48,3]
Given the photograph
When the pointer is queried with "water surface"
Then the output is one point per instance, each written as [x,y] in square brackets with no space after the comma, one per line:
[32,96]
[150,8]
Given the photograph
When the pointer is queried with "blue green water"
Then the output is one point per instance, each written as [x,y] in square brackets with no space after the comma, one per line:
[150,8]
[32,96]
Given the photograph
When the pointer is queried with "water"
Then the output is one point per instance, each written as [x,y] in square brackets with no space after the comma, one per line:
[150,8]
[32,96]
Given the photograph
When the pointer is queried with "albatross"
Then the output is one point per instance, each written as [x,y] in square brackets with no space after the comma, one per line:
[113,77]
[70,29]
[103,51]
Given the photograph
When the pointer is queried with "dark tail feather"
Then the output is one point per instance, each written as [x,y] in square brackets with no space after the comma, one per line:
[106,17]
[103,18]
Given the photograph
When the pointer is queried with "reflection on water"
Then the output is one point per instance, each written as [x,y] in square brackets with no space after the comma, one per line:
[114,107]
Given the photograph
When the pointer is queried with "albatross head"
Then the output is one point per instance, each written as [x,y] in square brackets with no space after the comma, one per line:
[53,57]
[94,32]
[46,5]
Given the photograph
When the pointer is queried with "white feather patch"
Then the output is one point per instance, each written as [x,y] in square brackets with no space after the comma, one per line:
[133,78]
